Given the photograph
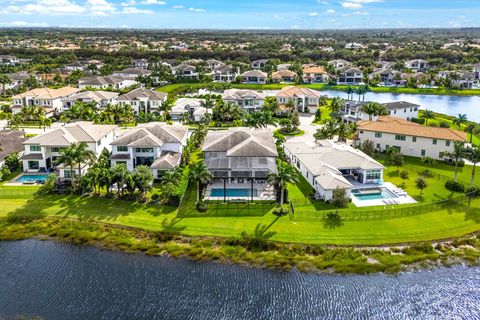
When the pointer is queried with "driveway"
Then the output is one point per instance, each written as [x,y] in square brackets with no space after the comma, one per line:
[306,125]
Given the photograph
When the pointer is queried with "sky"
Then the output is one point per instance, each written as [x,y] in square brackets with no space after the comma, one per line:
[240,14]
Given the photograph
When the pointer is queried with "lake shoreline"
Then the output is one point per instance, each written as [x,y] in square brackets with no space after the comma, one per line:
[250,250]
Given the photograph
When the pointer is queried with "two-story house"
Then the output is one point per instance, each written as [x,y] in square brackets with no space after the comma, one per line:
[140,63]
[223,73]
[142,100]
[50,100]
[254,77]
[259,64]
[314,74]
[284,76]
[156,145]
[187,71]
[193,106]
[106,82]
[409,138]
[417,65]
[303,99]
[352,111]
[249,100]
[100,98]
[41,152]
[350,75]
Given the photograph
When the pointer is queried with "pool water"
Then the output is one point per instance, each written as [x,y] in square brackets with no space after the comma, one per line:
[233,193]
[383,193]
[34,177]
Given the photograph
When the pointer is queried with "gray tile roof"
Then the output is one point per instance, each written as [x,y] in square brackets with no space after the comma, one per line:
[167,161]
[142,93]
[10,142]
[152,134]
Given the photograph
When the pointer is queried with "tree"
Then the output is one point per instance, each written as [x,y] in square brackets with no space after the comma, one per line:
[473,155]
[318,115]
[119,173]
[337,104]
[404,175]
[428,162]
[68,158]
[472,129]
[428,114]
[457,154]
[199,173]
[395,157]
[461,119]
[143,179]
[4,80]
[344,131]
[368,147]
[339,198]
[169,183]
[285,174]
[327,131]
[374,109]
[421,184]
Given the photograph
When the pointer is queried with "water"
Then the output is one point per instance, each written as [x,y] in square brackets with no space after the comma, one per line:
[450,105]
[383,193]
[232,192]
[32,177]
[61,281]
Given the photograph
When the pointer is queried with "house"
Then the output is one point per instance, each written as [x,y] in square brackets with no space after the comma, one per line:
[106,82]
[476,70]
[387,76]
[16,80]
[185,71]
[156,145]
[283,66]
[315,74]
[140,64]
[350,75]
[259,64]
[223,73]
[213,64]
[193,106]
[41,152]
[409,138]
[304,99]
[76,66]
[339,64]
[354,46]
[462,79]
[329,165]
[132,73]
[249,100]
[8,60]
[352,111]
[51,100]
[240,159]
[284,76]
[142,100]
[254,77]
[100,98]
[417,65]
[11,141]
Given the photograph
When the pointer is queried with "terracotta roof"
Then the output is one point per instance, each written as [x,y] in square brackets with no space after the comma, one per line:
[292,91]
[401,126]
[314,70]
[47,93]
[284,73]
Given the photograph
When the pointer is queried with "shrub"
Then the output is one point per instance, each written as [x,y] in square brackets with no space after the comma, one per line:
[454,186]
[444,124]
[417,120]
[201,206]
[49,186]
[426,173]
[283,211]
[339,198]
[473,192]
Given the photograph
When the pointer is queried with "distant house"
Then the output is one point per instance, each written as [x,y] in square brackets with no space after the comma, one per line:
[132,73]
[140,63]
[249,100]
[106,82]
[100,98]
[194,107]
[41,152]
[16,80]
[462,79]
[409,138]
[185,71]
[51,100]
[352,111]
[417,65]
[142,100]
[283,66]
[213,64]
[254,77]
[387,76]
[339,64]
[9,60]
[354,46]
[259,64]
[329,165]
[476,70]
[11,141]
[284,76]
[76,66]
[156,145]
[240,158]
[350,75]
[315,74]
[302,98]
[223,73]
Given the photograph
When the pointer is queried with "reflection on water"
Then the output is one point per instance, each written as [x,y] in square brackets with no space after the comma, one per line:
[60,281]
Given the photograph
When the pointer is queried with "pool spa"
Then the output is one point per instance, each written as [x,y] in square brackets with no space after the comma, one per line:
[233,193]
[373,194]
[32,178]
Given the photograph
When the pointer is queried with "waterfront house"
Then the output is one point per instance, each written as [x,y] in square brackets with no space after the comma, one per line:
[193,106]
[461,79]
[156,145]
[303,99]
[240,160]
[214,64]
[100,98]
[328,165]
[132,73]
[185,71]
[259,64]
[106,82]
[223,73]
[409,138]
[352,111]
[284,76]
[417,65]
[339,64]
[350,76]
[254,77]
[143,100]
[249,100]
[314,74]
[50,100]
[41,152]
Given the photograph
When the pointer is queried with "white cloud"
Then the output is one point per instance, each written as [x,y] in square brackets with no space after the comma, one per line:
[133,10]
[313,14]
[196,9]
[356,4]
[23,24]
[330,11]
[178,6]
[128,3]
[101,8]
[150,2]
[45,7]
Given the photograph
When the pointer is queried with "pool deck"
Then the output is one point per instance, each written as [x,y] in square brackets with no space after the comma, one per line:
[14,182]
[265,192]
[401,197]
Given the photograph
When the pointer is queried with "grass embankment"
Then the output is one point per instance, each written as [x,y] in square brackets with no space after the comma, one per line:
[253,249]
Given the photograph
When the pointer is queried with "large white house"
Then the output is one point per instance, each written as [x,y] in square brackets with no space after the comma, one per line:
[51,100]
[352,111]
[303,98]
[254,77]
[41,152]
[329,165]
[142,100]
[417,65]
[100,98]
[106,82]
[156,145]
[224,73]
[350,75]
[185,71]
[250,100]
[410,138]
[193,106]
[314,74]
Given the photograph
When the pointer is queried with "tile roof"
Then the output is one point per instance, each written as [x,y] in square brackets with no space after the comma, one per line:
[139,93]
[293,91]
[47,93]
[153,134]
[10,142]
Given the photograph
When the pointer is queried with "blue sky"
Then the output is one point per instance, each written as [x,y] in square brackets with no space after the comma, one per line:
[241,14]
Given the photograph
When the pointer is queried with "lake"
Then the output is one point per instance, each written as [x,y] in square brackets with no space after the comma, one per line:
[61,281]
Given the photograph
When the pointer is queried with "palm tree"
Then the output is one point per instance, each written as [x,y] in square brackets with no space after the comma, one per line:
[473,155]
[428,162]
[169,183]
[457,154]
[44,122]
[185,118]
[472,129]
[119,174]
[199,173]
[68,157]
[344,131]
[461,119]
[337,104]
[327,131]
[82,155]
[4,80]
[371,108]
[208,104]
[349,92]
[285,174]
[428,114]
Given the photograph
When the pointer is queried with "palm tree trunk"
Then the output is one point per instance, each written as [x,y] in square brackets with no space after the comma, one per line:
[73,176]
[473,175]
[455,171]
[198,191]
[282,196]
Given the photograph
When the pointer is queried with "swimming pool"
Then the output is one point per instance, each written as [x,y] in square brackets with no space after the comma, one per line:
[373,194]
[33,177]
[233,193]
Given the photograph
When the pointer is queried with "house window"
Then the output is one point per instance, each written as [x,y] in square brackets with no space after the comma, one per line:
[378,134]
[55,149]
[33,165]
[35,148]
[447,143]
[69,174]
[423,152]
[434,141]
[373,174]
[298,164]
[378,145]
[414,139]
[144,150]
[122,148]
[400,137]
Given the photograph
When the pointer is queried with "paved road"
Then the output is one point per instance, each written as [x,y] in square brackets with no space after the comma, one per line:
[307,126]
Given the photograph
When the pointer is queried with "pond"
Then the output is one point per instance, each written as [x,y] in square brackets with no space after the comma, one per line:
[62,281]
